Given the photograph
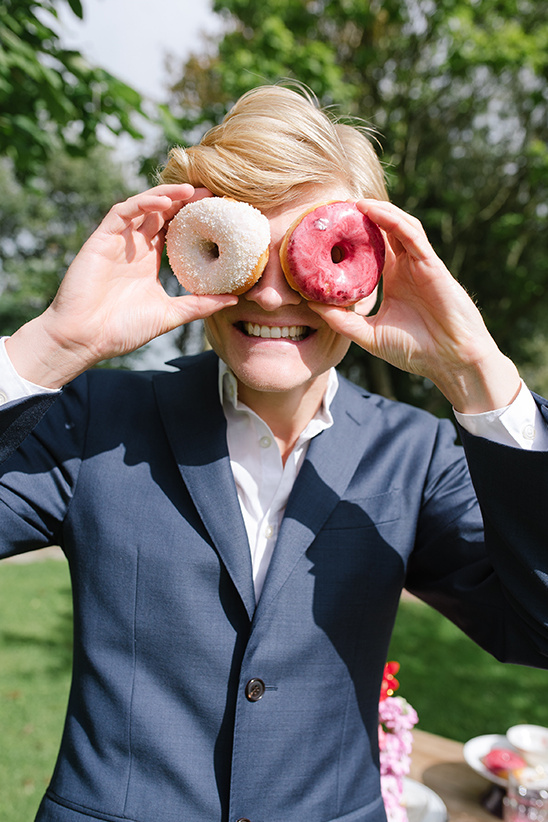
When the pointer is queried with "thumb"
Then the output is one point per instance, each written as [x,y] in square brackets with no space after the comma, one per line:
[189,307]
[349,323]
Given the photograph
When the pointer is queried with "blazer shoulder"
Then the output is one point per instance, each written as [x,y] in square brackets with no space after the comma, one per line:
[116,379]
[392,412]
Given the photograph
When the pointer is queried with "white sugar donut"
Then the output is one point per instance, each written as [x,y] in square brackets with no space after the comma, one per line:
[218,246]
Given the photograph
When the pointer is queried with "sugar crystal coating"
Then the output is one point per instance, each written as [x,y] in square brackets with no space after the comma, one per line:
[215,245]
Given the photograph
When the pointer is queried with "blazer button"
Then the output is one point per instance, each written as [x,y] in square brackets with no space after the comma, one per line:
[243,819]
[254,690]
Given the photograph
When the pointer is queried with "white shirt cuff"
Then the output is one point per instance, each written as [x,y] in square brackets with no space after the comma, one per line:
[13,386]
[520,424]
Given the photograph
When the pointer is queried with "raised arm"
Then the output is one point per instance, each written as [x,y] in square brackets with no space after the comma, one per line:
[111,300]
[426,323]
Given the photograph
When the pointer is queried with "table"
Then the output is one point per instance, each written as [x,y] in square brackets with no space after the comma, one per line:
[439,763]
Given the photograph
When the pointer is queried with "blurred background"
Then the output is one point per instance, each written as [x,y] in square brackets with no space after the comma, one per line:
[93,93]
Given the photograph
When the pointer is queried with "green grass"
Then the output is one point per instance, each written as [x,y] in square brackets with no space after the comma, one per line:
[35,663]
[458,690]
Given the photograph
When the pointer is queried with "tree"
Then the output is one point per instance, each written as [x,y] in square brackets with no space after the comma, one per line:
[51,100]
[459,91]
[42,227]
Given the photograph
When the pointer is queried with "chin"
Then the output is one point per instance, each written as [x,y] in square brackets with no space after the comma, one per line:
[272,380]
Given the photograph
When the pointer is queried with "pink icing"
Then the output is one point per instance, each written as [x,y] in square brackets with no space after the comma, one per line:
[335,231]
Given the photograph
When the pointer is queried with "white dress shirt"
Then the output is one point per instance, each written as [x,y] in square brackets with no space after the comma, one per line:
[264,483]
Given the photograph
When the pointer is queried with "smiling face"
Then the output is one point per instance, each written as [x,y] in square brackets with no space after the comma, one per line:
[271,339]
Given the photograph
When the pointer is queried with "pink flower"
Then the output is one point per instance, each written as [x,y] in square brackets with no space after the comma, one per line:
[396,720]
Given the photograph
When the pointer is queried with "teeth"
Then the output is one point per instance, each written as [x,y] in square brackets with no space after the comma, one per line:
[267,332]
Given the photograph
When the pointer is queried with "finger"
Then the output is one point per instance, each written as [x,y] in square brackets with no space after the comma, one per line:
[191,307]
[160,198]
[404,231]
[348,323]
[153,227]
[175,191]
[200,194]
[165,200]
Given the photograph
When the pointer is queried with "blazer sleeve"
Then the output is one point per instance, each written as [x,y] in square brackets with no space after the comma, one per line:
[484,561]
[41,442]
[19,418]
[511,485]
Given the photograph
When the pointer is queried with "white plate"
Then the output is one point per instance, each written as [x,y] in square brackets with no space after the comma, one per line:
[422,804]
[477,747]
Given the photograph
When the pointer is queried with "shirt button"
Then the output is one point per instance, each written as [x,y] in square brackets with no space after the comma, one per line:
[254,690]
[268,531]
[528,431]
[3,398]
[265,442]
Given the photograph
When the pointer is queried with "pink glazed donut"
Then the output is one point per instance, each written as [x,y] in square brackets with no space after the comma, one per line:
[333,254]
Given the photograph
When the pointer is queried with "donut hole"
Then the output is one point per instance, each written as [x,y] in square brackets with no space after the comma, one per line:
[337,254]
[209,250]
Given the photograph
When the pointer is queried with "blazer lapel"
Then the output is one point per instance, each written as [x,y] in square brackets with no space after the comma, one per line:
[332,459]
[196,428]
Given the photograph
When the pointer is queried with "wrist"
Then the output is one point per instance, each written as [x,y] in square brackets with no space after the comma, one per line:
[43,359]
[486,385]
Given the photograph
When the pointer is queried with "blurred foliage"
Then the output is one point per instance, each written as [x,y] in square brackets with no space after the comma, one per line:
[56,179]
[51,100]
[43,225]
[458,90]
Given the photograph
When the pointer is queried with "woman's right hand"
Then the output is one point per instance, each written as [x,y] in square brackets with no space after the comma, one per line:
[111,300]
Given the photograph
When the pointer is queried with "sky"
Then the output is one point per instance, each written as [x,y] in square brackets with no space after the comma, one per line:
[131,38]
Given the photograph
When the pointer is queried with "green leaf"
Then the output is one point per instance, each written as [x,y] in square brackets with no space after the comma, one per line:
[76,7]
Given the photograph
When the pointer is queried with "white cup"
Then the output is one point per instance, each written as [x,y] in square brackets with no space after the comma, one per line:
[526,799]
[531,741]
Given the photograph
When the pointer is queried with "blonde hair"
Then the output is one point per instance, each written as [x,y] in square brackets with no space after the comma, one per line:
[273,145]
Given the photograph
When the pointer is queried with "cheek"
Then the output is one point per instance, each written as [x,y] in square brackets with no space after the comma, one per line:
[212,334]
[334,349]
[342,347]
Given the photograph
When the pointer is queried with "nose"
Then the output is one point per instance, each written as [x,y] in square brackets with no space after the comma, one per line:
[272,291]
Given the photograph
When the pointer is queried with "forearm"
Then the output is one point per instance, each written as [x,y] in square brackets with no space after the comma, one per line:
[22,405]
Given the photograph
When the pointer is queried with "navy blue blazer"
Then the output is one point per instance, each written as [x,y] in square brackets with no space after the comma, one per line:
[129,473]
